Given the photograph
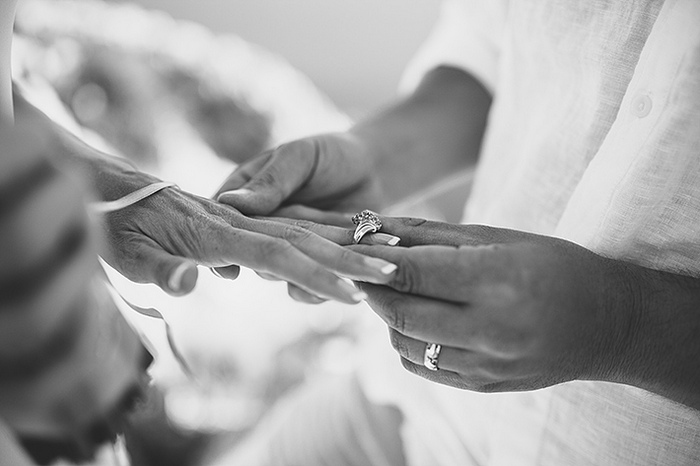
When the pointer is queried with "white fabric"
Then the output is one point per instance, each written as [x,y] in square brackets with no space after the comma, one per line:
[594,136]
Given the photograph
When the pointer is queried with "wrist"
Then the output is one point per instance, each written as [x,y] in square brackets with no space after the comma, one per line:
[107,177]
[660,348]
[111,181]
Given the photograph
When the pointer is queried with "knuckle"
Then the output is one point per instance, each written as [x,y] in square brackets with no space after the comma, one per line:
[398,342]
[347,256]
[269,177]
[394,315]
[301,149]
[407,277]
[413,221]
[272,250]
[409,366]
[296,234]
[305,224]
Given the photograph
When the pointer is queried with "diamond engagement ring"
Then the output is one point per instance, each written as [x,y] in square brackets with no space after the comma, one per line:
[367,222]
[432,354]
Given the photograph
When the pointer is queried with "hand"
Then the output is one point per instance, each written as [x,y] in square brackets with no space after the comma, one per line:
[512,311]
[327,172]
[161,238]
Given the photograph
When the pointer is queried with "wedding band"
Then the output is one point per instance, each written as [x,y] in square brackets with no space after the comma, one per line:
[432,354]
[367,222]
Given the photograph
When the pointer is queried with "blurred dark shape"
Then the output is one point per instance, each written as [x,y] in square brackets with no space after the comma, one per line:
[112,93]
[46,450]
[71,367]
[231,128]
[152,440]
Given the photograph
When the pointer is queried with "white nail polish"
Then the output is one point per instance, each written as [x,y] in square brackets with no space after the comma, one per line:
[359,296]
[175,279]
[237,192]
[382,239]
[393,241]
[382,266]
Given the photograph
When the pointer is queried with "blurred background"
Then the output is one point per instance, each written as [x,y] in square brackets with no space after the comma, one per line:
[352,50]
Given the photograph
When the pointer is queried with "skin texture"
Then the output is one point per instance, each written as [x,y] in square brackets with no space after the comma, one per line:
[432,133]
[517,311]
[328,172]
[513,311]
[163,238]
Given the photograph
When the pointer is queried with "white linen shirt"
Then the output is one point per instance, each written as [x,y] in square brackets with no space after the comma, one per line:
[593,136]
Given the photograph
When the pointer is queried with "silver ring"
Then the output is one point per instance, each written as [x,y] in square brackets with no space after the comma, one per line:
[432,354]
[367,222]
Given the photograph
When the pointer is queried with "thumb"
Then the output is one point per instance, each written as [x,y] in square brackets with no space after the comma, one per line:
[287,170]
[175,275]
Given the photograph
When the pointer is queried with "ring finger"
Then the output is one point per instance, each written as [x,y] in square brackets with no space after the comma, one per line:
[449,359]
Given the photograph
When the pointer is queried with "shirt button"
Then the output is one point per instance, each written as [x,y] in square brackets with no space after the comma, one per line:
[641,105]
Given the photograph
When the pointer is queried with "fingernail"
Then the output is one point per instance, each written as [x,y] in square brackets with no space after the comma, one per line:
[359,296]
[236,192]
[216,272]
[384,238]
[384,267]
[175,280]
[355,294]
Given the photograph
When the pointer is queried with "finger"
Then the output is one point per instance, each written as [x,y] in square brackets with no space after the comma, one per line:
[324,217]
[267,254]
[303,296]
[341,236]
[244,173]
[443,377]
[288,168]
[268,276]
[441,272]
[423,319]
[294,291]
[148,263]
[418,231]
[475,375]
[337,258]
[230,272]
[450,359]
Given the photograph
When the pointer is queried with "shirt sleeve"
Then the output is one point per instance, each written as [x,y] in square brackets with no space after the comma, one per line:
[467,36]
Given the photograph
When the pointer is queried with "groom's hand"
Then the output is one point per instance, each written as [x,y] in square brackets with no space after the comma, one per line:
[329,172]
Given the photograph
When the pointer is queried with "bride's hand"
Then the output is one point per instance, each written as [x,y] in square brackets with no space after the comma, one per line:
[161,238]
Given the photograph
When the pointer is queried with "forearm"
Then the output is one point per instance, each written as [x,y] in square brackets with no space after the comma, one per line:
[107,177]
[663,350]
[431,134]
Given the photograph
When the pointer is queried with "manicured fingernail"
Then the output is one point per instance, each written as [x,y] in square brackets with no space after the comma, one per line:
[236,192]
[384,267]
[359,296]
[175,281]
[354,294]
[383,239]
